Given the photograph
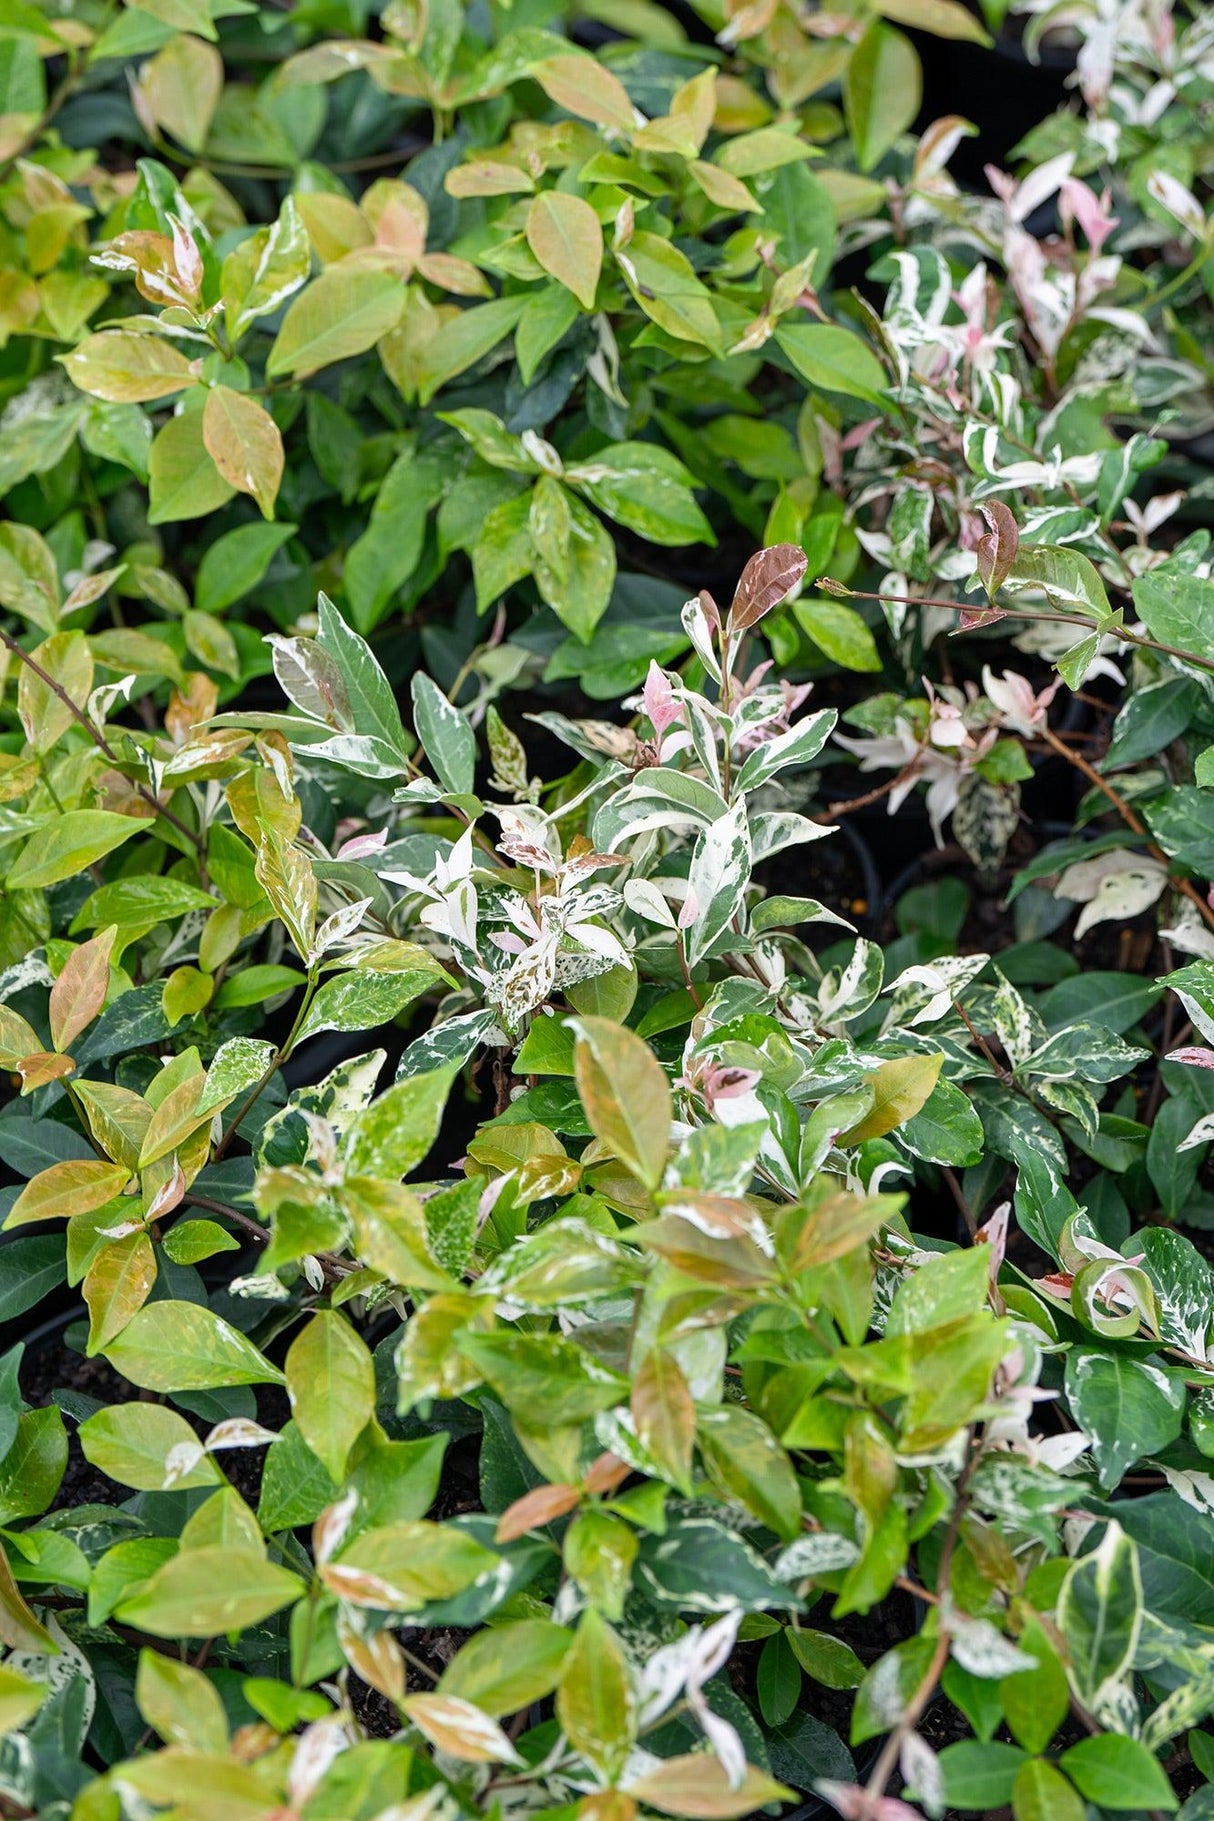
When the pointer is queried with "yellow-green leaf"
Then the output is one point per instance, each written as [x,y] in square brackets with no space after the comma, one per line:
[626,1095]
[76,1186]
[79,993]
[180,1703]
[900,1088]
[596,1700]
[342,313]
[882,89]
[123,367]
[245,444]
[181,86]
[331,1384]
[20,1698]
[176,1346]
[117,1284]
[202,1592]
[564,234]
[586,88]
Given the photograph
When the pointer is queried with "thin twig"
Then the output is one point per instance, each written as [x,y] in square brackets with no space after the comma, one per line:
[98,738]
[1130,817]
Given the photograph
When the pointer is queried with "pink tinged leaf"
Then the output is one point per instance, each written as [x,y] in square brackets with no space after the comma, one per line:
[361,845]
[186,258]
[853,1802]
[1079,203]
[658,700]
[1196,1058]
[996,552]
[972,617]
[689,910]
[767,579]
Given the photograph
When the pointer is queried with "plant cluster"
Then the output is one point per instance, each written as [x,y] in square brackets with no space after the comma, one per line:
[538,1276]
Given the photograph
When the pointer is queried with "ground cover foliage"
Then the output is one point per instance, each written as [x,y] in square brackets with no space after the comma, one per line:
[606,937]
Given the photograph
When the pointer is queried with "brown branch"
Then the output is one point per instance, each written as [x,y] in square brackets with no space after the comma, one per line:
[246,1221]
[846,805]
[887,1762]
[1130,817]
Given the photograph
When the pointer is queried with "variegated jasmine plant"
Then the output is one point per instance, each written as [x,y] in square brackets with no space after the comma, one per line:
[668,1294]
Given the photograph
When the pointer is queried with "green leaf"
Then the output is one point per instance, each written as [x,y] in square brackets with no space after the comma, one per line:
[331,1384]
[358,1000]
[124,1568]
[1042,1793]
[266,269]
[745,1461]
[1035,1701]
[1182,824]
[777,1680]
[69,845]
[200,1593]
[626,1096]
[403,1567]
[833,359]
[980,1776]
[573,556]
[190,1241]
[233,565]
[1128,1407]
[838,631]
[29,1270]
[34,1465]
[370,696]
[1117,1772]
[1067,579]
[534,1372]
[447,740]
[549,315]
[503,553]
[380,562]
[342,313]
[184,481]
[882,89]
[1177,609]
[827,1659]
[465,340]
[394,1134]
[295,1488]
[178,1346]
[646,488]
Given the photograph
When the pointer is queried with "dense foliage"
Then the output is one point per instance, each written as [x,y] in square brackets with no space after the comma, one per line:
[606,930]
